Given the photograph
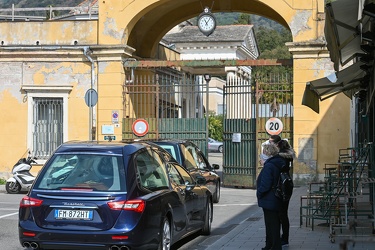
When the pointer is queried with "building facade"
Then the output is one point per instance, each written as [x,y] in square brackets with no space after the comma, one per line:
[47,68]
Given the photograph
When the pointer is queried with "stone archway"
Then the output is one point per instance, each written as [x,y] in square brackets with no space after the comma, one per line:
[133,28]
[146,22]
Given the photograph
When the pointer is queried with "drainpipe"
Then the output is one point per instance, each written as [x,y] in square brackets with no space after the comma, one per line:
[92,125]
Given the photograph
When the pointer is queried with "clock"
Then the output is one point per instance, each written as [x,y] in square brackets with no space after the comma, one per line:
[206,22]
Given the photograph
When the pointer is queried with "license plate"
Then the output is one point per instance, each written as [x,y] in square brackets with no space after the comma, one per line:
[73,214]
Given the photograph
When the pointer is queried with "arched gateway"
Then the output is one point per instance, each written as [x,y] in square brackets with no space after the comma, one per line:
[52,64]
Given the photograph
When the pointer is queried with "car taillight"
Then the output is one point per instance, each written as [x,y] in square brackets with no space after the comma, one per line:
[120,237]
[30,202]
[132,205]
[29,234]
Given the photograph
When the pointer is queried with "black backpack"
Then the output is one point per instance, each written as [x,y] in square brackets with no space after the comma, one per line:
[284,188]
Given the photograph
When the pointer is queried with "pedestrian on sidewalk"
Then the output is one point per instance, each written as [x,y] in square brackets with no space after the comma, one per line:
[271,205]
[273,139]
[288,154]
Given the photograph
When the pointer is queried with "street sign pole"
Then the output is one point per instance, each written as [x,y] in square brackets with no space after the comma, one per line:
[91,98]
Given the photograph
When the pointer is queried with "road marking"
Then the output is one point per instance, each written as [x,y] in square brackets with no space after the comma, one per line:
[7,215]
[228,205]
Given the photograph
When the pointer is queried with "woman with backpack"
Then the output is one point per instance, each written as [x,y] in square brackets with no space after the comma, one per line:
[288,154]
[266,182]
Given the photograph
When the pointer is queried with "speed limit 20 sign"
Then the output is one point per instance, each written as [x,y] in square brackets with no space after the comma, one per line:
[274,126]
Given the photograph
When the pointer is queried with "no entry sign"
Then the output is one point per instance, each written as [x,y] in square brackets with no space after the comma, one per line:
[140,127]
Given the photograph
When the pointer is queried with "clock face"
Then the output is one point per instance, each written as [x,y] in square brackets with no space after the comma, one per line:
[206,24]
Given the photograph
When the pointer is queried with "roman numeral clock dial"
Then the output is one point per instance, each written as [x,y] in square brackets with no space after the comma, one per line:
[206,22]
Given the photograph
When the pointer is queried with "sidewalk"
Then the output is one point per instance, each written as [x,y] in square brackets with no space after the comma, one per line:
[250,234]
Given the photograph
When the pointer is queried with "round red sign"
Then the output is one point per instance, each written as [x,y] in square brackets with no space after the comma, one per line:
[274,126]
[140,127]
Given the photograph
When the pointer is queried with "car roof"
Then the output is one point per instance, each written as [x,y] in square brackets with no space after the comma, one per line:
[171,141]
[101,146]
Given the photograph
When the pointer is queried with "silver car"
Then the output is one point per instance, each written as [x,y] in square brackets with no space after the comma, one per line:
[215,146]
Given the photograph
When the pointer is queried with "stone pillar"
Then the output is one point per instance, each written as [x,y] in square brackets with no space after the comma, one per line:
[317,138]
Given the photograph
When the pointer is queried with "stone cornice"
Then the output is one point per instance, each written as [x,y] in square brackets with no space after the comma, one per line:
[64,53]
[314,49]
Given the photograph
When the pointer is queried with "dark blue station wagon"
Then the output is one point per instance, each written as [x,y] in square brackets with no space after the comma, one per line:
[113,196]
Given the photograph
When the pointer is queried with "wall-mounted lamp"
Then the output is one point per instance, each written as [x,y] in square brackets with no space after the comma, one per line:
[207,77]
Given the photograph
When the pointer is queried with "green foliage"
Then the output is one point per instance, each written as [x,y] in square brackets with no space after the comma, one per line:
[2,181]
[244,19]
[215,127]
[271,43]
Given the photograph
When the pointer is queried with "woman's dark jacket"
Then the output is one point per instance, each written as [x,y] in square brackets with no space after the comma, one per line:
[288,155]
[267,180]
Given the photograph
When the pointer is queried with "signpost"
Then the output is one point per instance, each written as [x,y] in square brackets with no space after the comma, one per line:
[274,126]
[91,98]
[140,127]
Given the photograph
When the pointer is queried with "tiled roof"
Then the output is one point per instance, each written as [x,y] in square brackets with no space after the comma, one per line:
[225,33]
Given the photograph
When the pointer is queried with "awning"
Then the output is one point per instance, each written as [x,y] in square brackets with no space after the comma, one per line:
[343,27]
[347,81]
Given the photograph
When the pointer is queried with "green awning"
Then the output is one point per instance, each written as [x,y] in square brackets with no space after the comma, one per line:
[347,81]
[343,27]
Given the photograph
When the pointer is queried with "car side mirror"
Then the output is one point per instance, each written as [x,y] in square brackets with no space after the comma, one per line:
[201,180]
[189,186]
[216,166]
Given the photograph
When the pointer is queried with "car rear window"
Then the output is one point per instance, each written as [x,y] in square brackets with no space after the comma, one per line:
[83,171]
[170,150]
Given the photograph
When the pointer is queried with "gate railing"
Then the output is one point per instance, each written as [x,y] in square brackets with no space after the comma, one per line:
[274,98]
[239,134]
[170,101]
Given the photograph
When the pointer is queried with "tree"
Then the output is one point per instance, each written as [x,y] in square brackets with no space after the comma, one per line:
[244,19]
[215,126]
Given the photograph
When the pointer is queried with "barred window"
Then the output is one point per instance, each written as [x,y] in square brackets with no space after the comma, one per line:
[47,126]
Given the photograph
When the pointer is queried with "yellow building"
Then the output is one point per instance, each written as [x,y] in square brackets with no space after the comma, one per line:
[47,67]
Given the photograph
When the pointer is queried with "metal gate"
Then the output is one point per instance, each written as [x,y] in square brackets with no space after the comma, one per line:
[170,101]
[248,106]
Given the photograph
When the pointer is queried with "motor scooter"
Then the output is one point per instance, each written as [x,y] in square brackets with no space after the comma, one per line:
[22,179]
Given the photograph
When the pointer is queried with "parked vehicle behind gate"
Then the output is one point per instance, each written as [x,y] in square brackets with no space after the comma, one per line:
[215,146]
[114,196]
[193,160]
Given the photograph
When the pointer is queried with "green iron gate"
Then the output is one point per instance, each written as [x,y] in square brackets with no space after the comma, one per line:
[171,101]
[274,99]
[239,135]
[248,106]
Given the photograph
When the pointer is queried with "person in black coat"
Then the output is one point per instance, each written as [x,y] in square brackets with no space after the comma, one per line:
[271,205]
[288,154]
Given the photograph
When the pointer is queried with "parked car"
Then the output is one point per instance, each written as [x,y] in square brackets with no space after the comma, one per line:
[215,146]
[113,196]
[193,160]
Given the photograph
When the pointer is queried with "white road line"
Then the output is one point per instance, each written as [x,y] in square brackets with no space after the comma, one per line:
[228,205]
[7,215]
